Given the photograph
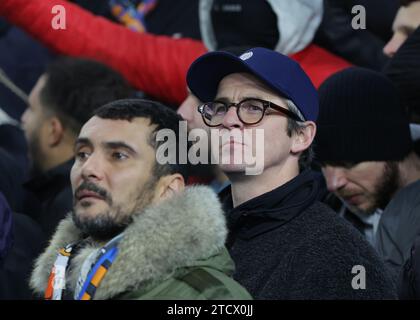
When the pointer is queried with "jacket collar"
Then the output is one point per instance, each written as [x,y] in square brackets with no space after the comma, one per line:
[51,180]
[175,233]
[272,209]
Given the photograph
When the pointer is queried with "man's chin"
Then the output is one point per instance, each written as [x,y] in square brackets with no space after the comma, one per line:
[363,210]
[98,225]
[233,168]
[89,210]
[89,203]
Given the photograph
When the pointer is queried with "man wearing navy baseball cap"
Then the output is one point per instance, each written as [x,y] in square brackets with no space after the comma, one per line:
[285,243]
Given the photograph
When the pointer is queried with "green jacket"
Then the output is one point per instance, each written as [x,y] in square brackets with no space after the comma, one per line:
[205,279]
[172,250]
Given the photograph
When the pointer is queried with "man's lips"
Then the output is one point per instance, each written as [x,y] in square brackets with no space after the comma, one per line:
[353,199]
[88,194]
[233,143]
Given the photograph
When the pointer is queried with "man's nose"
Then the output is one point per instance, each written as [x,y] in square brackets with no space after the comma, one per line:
[93,168]
[335,178]
[186,111]
[231,119]
[188,107]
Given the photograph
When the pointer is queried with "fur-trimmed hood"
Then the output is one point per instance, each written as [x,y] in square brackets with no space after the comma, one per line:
[173,234]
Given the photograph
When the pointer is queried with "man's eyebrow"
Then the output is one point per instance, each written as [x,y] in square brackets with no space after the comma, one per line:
[342,164]
[82,141]
[253,96]
[118,145]
[221,99]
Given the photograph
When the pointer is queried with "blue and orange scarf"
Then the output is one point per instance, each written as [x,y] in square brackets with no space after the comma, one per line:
[131,15]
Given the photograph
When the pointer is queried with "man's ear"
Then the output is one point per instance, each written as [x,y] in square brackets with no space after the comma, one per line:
[303,139]
[55,131]
[168,186]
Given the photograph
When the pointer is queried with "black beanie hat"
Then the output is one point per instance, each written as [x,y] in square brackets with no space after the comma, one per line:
[361,119]
[404,71]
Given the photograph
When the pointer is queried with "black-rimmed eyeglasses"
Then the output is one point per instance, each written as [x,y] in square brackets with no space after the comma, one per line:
[250,111]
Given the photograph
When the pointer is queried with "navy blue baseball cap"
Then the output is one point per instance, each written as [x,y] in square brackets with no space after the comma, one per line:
[280,73]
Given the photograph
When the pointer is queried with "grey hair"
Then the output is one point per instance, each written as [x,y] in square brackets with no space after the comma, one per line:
[294,127]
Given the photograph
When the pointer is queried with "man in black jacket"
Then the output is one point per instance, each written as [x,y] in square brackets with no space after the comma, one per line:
[363,144]
[367,158]
[286,244]
[62,100]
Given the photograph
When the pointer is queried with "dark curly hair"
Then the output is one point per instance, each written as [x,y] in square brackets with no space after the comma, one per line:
[160,116]
[75,87]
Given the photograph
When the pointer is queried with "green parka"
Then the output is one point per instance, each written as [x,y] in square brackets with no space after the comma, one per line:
[172,250]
